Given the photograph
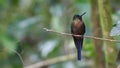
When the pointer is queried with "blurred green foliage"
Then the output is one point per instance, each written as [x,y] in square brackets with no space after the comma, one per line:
[21,29]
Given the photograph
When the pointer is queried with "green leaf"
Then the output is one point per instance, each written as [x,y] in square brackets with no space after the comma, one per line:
[8,43]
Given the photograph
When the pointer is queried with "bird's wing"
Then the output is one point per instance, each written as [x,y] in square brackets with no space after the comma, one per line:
[84,27]
[72,28]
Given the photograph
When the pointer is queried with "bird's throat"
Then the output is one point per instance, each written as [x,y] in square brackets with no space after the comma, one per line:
[76,23]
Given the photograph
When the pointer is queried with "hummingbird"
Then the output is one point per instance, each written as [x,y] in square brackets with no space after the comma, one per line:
[78,28]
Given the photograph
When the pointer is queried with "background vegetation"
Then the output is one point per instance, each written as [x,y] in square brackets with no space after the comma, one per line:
[21,31]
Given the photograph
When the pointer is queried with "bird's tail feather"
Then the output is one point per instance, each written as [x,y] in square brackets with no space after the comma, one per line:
[79,54]
[79,48]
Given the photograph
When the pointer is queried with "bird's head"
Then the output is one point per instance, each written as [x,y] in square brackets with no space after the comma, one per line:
[78,16]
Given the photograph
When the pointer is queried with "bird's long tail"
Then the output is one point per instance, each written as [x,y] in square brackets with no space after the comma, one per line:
[79,54]
[79,48]
[78,43]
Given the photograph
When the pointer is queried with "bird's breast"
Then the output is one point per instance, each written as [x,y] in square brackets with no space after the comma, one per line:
[78,28]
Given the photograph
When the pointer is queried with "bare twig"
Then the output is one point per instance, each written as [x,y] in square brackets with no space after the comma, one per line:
[55,60]
[85,36]
[118,66]
[18,55]
[52,61]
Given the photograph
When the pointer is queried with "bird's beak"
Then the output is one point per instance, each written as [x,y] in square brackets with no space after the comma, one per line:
[83,14]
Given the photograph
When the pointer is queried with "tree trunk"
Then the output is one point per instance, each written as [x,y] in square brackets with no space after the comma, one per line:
[106,24]
[96,30]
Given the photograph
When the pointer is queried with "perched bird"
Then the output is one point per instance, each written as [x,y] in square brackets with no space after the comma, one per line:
[78,28]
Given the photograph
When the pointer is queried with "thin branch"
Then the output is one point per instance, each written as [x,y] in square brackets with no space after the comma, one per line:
[118,66]
[18,55]
[85,36]
[55,60]
[51,61]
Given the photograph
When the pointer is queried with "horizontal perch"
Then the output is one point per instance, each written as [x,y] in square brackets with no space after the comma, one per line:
[92,37]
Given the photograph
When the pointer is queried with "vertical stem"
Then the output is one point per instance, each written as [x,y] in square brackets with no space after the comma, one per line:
[96,30]
[106,24]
